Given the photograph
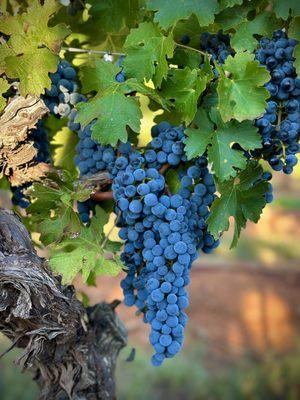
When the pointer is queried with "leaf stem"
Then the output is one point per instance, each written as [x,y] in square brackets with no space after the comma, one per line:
[278,129]
[192,49]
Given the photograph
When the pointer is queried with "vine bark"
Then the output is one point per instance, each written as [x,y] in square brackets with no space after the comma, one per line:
[71,350]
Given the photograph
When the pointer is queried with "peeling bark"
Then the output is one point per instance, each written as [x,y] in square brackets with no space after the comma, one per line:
[16,151]
[71,351]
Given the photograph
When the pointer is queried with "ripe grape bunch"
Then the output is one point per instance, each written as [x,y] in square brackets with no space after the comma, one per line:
[280,125]
[162,232]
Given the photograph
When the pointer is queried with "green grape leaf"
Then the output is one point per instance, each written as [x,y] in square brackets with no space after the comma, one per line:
[198,139]
[84,252]
[98,76]
[242,95]
[53,228]
[242,198]
[114,15]
[263,24]
[224,158]
[231,17]
[52,209]
[218,141]
[170,12]
[294,32]
[147,50]
[4,86]
[112,110]
[284,8]
[183,87]
[30,53]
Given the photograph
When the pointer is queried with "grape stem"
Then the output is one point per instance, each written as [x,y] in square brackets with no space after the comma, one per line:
[164,168]
[278,129]
[192,49]
[102,196]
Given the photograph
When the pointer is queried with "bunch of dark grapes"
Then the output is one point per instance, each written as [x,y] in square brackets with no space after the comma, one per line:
[63,95]
[217,45]
[280,125]
[91,158]
[162,233]
[39,137]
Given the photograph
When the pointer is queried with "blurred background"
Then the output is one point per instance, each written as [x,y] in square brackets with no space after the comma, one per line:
[243,335]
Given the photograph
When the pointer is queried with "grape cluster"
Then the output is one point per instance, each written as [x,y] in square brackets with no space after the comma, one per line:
[280,125]
[217,45]
[90,159]
[162,234]
[63,95]
[39,137]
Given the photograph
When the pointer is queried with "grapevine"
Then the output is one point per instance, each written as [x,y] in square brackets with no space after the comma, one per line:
[225,101]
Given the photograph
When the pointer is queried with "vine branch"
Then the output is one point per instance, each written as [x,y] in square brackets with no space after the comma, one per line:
[115,53]
[71,350]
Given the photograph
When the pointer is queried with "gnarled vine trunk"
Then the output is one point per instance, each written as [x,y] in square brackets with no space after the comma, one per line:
[71,350]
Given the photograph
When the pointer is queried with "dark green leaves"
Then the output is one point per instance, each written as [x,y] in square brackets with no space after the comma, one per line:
[285,8]
[294,33]
[114,15]
[241,94]
[84,252]
[241,198]
[112,110]
[263,24]
[73,247]
[198,139]
[183,87]
[218,139]
[56,195]
[30,52]
[147,50]
[170,12]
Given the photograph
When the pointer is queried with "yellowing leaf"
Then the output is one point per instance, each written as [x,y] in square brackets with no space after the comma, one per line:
[30,53]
